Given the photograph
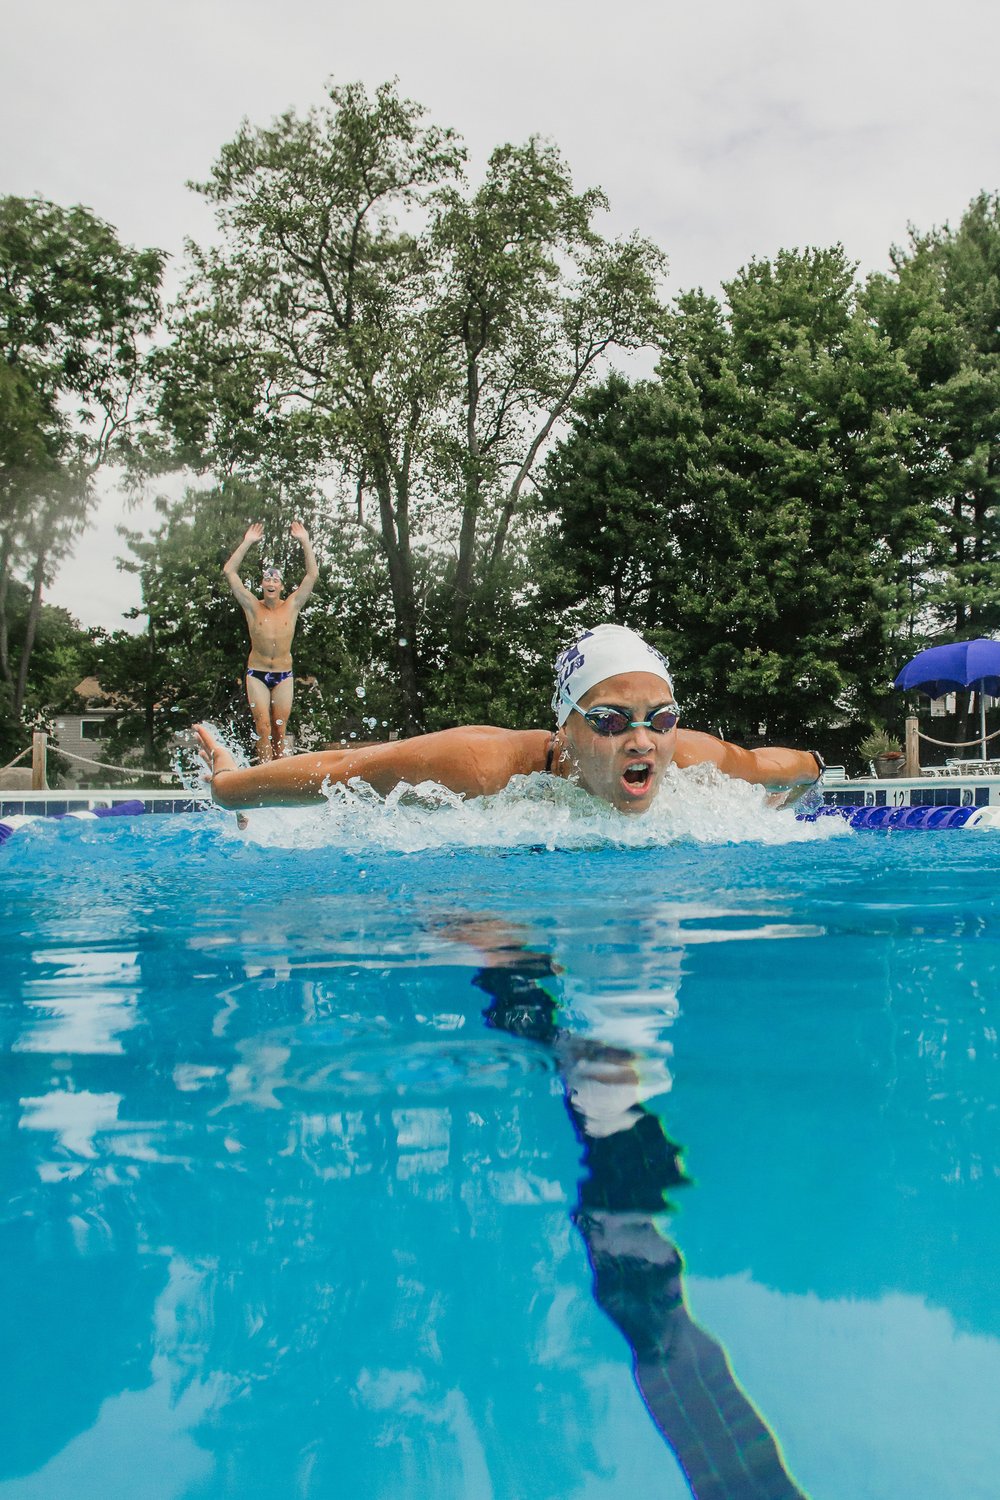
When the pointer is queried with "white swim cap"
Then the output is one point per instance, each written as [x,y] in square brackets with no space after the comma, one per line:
[605,651]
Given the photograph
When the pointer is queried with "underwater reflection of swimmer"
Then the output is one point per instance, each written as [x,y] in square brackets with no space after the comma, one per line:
[724,1447]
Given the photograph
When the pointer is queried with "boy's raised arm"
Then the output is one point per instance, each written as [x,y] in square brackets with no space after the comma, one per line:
[305,588]
[231,566]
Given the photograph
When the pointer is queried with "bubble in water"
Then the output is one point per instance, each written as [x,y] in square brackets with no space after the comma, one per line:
[354,734]
[360,692]
[403,641]
[385,723]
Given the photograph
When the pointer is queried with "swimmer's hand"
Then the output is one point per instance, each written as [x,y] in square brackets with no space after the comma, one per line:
[793,793]
[790,795]
[254,533]
[214,753]
[299,532]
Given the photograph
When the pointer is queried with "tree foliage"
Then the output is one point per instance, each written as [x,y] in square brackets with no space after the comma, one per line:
[62,655]
[75,309]
[371,326]
[941,311]
[807,491]
[746,508]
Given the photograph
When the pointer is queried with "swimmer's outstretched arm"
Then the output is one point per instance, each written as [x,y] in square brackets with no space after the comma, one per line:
[474,760]
[771,766]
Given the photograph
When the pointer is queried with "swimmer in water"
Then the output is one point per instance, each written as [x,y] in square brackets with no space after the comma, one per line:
[616,732]
[271,621]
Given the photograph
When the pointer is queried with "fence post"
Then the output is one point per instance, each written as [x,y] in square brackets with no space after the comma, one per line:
[39,744]
[911,766]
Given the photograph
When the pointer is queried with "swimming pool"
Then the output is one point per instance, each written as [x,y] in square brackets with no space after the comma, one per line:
[363,1156]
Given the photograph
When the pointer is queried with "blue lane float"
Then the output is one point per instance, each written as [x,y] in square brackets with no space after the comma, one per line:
[910,818]
[11,824]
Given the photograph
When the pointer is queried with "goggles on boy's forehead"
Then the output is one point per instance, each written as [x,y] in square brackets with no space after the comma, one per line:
[614,721]
[271,573]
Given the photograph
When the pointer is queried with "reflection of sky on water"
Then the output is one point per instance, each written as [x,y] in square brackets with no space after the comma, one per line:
[79,1002]
[72,1118]
[141,1446]
[908,1404]
[279,1196]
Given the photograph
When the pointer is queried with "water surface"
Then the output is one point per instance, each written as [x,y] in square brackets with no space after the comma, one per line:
[379,1151]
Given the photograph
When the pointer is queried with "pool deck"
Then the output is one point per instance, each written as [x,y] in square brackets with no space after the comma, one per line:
[946,787]
[50,804]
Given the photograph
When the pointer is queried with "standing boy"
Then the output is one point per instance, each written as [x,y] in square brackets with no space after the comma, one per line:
[271,621]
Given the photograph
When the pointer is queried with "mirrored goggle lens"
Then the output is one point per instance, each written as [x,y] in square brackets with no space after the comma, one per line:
[611,721]
[607,721]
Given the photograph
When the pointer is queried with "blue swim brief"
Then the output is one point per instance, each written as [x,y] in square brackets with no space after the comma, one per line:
[269,679]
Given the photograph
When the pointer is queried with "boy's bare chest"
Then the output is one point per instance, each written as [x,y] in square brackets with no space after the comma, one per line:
[272,624]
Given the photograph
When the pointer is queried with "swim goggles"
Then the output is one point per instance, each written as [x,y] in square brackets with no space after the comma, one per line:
[609,722]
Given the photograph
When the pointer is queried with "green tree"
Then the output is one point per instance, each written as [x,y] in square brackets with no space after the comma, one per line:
[940,308]
[369,325]
[75,309]
[746,509]
[63,654]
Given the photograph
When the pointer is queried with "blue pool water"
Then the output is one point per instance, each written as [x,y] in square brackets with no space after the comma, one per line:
[366,1154]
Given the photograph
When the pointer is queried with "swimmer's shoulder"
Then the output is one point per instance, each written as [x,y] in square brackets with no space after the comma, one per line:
[532,749]
[694,748]
[502,753]
[474,759]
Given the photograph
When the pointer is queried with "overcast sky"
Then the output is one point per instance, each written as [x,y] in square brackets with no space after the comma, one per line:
[723,129]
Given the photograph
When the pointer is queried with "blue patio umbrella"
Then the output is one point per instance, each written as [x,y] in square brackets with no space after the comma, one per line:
[948,669]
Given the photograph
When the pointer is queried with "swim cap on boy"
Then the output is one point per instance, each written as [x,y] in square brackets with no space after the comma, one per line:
[605,651]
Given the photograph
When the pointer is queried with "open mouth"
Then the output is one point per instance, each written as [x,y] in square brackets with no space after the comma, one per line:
[637,778]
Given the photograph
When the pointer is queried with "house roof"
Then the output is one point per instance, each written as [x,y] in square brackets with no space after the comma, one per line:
[94,696]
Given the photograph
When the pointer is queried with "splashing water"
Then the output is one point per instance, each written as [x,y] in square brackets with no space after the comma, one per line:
[538,811]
